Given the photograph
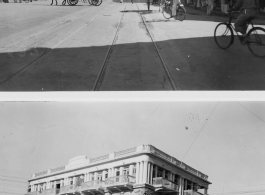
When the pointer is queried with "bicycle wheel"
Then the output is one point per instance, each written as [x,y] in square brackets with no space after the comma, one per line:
[167,12]
[181,13]
[94,2]
[223,35]
[256,43]
[98,2]
[89,1]
[72,2]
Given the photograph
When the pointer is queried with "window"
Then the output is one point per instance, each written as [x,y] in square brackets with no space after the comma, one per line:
[126,170]
[159,172]
[134,170]
[117,172]
[176,178]
[71,182]
[166,174]
[154,171]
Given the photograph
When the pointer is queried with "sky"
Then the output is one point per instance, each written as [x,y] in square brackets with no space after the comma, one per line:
[224,140]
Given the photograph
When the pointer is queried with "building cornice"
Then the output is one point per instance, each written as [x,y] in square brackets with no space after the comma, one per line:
[116,156]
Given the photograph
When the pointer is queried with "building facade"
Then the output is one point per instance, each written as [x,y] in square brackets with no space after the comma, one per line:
[141,170]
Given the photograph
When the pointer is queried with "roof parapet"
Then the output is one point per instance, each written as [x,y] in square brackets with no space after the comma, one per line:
[81,161]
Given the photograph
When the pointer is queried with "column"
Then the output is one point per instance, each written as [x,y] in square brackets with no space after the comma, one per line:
[141,172]
[109,172]
[148,172]
[180,186]
[137,172]
[151,173]
[61,183]
[121,170]
[104,175]
[156,170]
[205,190]
[145,171]
[74,180]
[131,169]
[191,186]
[185,184]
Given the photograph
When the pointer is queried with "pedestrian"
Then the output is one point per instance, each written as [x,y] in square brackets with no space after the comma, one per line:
[209,7]
[195,4]
[224,6]
[176,3]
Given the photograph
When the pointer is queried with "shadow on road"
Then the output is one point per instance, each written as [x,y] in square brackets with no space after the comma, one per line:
[194,64]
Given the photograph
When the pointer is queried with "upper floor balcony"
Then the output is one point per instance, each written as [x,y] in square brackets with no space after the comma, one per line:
[51,191]
[191,192]
[163,184]
[31,193]
[92,186]
[120,183]
[69,189]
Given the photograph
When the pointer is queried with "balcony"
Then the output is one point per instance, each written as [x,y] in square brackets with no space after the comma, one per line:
[121,183]
[52,191]
[32,193]
[69,189]
[163,184]
[94,187]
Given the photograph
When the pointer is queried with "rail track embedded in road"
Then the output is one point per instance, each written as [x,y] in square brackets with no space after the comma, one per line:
[100,78]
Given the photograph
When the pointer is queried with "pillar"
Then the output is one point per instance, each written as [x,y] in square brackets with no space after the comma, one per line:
[131,169]
[61,183]
[145,171]
[104,175]
[137,172]
[74,180]
[151,174]
[205,190]
[185,184]
[148,172]
[181,186]
[191,186]
[141,172]
[156,170]
[121,170]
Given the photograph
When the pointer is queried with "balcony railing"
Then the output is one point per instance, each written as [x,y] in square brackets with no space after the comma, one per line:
[91,184]
[67,189]
[51,191]
[32,193]
[120,180]
[165,183]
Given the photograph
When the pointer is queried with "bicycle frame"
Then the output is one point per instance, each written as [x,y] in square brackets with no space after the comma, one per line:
[230,23]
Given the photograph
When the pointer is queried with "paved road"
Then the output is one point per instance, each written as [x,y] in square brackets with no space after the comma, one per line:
[80,48]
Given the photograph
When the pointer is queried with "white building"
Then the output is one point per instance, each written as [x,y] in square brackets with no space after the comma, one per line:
[142,170]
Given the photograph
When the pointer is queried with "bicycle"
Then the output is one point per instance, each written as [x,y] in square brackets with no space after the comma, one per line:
[224,36]
[167,10]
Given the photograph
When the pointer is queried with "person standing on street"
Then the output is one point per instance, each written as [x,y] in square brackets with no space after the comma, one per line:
[209,7]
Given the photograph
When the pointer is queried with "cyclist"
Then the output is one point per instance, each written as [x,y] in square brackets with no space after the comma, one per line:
[248,9]
[175,5]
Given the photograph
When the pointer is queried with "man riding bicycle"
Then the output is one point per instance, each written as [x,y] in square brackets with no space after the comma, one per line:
[248,9]
[175,5]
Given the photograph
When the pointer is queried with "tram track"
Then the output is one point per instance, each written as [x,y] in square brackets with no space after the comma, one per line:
[100,78]
[96,85]
[160,56]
